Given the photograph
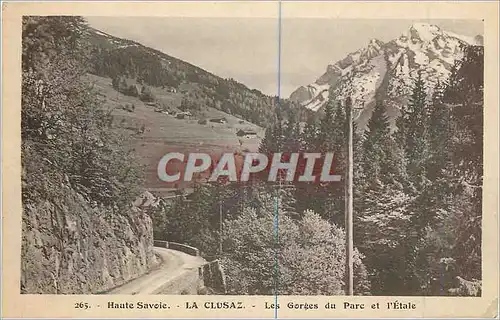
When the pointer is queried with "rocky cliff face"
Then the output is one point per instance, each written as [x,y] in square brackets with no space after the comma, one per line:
[387,70]
[69,247]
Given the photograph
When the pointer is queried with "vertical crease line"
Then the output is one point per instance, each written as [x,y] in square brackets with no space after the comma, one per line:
[276,204]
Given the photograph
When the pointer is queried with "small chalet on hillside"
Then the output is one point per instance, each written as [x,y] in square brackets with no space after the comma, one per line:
[218,120]
[246,132]
[182,115]
[135,89]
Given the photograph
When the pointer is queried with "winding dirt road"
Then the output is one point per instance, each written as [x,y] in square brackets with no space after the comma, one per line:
[175,264]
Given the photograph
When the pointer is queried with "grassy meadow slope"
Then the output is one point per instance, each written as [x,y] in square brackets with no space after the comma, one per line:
[165,133]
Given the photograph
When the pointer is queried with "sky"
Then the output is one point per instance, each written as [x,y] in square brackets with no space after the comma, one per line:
[249,50]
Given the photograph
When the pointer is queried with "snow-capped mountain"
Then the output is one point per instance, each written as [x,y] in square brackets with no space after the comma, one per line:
[388,70]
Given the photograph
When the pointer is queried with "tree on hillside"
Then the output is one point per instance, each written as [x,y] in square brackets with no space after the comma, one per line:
[377,145]
[292,134]
[382,232]
[309,135]
[147,94]
[415,130]
[305,192]
[440,135]
[274,137]
[115,82]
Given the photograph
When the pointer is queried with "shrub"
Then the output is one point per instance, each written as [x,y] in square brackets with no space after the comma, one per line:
[310,254]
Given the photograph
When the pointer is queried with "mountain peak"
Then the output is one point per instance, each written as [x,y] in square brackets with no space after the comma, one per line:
[424,26]
[388,69]
[375,43]
[423,31]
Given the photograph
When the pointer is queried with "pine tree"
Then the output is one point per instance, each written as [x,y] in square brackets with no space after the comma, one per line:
[327,130]
[439,131]
[415,118]
[305,193]
[381,156]
[292,134]
[274,137]
[376,144]
[310,135]
[268,142]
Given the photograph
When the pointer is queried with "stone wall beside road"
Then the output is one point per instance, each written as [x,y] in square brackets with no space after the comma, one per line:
[208,278]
